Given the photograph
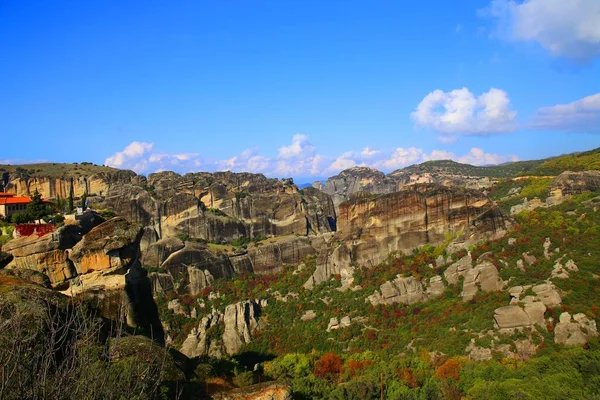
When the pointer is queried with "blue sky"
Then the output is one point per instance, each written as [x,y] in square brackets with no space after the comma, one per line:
[297,88]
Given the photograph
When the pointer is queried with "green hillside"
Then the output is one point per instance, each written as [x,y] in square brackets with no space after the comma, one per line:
[589,160]
[454,168]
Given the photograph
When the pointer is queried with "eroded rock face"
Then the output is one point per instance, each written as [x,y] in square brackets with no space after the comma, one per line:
[48,254]
[50,187]
[273,257]
[353,180]
[112,245]
[371,227]
[195,267]
[237,324]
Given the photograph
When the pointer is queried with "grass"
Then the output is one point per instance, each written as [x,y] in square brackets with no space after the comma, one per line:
[56,170]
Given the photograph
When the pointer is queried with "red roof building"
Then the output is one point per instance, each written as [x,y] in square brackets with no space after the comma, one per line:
[10,204]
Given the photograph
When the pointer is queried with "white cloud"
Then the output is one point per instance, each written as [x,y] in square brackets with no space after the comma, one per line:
[138,156]
[479,157]
[299,159]
[248,161]
[369,152]
[130,157]
[300,147]
[439,155]
[459,112]
[401,157]
[581,116]
[565,28]
[344,161]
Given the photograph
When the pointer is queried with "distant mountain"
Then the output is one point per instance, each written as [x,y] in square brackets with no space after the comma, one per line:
[449,167]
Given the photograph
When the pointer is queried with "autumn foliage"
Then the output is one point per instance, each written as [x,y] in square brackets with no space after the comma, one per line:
[408,377]
[449,369]
[329,366]
[354,367]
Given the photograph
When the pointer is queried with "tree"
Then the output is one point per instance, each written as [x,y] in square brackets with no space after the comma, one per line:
[71,205]
[60,204]
[36,209]
[84,201]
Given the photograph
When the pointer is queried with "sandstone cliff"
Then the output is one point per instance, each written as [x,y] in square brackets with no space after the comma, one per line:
[370,227]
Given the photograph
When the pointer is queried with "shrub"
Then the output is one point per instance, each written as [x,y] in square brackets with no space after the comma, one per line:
[329,366]
[244,379]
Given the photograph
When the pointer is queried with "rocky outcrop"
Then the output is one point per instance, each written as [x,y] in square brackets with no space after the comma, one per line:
[458,269]
[560,271]
[516,317]
[569,183]
[572,330]
[309,315]
[272,257]
[268,391]
[356,179]
[94,181]
[112,245]
[194,267]
[483,276]
[406,290]
[48,254]
[334,323]
[548,294]
[225,332]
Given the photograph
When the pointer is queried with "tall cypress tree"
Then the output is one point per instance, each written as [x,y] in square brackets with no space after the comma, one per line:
[71,205]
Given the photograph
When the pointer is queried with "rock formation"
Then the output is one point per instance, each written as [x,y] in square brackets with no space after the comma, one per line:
[569,183]
[406,290]
[225,332]
[483,276]
[577,329]
[370,227]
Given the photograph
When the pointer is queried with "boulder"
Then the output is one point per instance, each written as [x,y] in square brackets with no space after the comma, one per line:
[484,276]
[547,294]
[511,317]
[458,269]
[406,290]
[308,315]
[574,330]
[535,311]
[46,254]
